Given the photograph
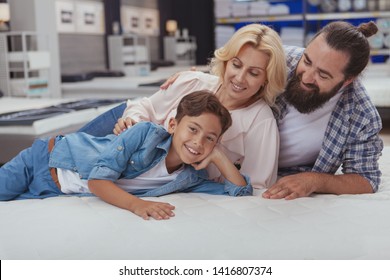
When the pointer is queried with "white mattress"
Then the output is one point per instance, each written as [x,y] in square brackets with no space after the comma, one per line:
[376,79]
[205,227]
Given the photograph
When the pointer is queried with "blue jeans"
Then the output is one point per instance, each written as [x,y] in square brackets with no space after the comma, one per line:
[104,124]
[27,175]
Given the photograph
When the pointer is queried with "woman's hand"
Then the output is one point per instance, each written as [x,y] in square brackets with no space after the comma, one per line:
[123,124]
[173,78]
[170,80]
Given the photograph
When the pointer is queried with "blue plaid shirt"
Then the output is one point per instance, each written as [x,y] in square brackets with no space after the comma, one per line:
[352,136]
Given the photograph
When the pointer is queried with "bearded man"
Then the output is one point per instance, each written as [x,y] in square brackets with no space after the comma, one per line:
[326,119]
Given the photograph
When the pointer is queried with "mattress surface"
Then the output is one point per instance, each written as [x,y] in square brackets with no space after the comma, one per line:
[376,79]
[205,227]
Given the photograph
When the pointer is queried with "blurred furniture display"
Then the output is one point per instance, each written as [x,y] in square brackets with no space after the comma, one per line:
[303,18]
[22,120]
[130,54]
[25,67]
[180,49]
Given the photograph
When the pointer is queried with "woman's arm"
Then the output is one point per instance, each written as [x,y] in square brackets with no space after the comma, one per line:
[112,194]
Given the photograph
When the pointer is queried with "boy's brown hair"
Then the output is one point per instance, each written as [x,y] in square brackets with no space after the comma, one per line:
[199,102]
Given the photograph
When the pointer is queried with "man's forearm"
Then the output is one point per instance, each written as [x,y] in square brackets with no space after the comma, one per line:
[342,184]
[305,183]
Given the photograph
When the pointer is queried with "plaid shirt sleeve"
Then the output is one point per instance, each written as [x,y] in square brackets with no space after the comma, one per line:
[352,137]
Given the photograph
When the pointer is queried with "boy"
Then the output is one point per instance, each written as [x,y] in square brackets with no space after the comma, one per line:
[146,160]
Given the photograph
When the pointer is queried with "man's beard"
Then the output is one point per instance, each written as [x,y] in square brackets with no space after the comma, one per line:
[307,101]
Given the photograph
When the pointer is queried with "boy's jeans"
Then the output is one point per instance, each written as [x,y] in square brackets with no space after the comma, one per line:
[27,175]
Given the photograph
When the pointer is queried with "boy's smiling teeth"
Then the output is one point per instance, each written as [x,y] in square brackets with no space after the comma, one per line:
[192,151]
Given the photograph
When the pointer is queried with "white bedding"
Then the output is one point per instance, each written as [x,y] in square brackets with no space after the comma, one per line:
[376,79]
[205,227]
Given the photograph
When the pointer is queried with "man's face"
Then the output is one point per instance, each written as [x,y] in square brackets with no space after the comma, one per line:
[318,77]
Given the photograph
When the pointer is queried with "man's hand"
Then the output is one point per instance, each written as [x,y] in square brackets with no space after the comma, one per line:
[293,186]
[306,183]
[123,124]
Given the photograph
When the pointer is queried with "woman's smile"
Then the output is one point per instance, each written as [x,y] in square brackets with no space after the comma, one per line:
[236,87]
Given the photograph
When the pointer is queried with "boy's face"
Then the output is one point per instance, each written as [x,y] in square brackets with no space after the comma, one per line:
[194,137]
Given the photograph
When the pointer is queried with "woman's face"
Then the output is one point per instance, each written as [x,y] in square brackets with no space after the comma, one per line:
[245,74]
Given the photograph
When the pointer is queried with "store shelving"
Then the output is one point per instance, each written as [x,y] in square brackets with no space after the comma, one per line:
[25,67]
[180,50]
[129,53]
[346,15]
[309,19]
[270,18]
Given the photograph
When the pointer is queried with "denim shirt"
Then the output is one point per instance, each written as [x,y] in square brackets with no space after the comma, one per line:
[130,154]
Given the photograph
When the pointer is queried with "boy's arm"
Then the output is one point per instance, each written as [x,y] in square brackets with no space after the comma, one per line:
[112,194]
[225,166]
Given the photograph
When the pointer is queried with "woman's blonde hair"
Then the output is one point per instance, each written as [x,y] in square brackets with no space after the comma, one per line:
[264,39]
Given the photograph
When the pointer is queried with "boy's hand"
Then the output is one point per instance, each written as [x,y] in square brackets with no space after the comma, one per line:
[215,154]
[156,210]
[224,165]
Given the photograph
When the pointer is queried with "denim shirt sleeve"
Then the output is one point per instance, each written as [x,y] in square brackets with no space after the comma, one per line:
[226,188]
[234,190]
